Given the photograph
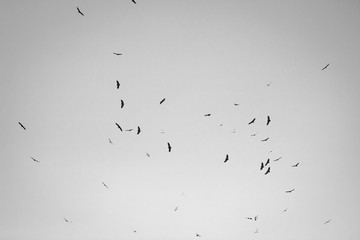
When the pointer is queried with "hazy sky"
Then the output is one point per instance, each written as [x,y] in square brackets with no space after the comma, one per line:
[58,78]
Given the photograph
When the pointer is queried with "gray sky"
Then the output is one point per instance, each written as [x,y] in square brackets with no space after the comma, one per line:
[58,78]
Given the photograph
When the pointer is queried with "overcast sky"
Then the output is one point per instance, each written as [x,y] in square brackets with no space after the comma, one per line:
[58,78]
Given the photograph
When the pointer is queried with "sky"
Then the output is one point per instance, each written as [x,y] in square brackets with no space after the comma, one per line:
[58,78]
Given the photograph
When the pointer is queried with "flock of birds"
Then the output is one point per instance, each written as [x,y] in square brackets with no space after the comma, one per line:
[263,165]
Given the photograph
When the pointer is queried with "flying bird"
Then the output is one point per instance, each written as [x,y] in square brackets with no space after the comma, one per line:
[268,84]
[268,120]
[110,141]
[122,103]
[252,121]
[249,218]
[253,135]
[66,220]
[129,130]
[198,235]
[275,160]
[147,154]
[133,1]
[118,126]
[138,130]
[289,191]
[325,67]
[162,100]
[176,208]
[285,210]
[262,166]
[255,218]
[105,185]
[207,115]
[264,140]
[327,221]
[117,54]
[236,104]
[79,11]
[226,158]
[267,171]
[35,160]
[295,165]
[117,84]
[22,126]
[267,162]
[257,230]
[169,147]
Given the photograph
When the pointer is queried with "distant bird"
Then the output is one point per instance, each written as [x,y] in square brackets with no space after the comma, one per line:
[255,218]
[262,166]
[268,120]
[325,67]
[295,165]
[162,132]
[264,140]
[22,126]
[267,162]
[226,158]
[117,84]
[66,220]
[104,185]
[289,191]
[138,130]
[162,100]
[118,126]
[257,231]
[129,130]
[268,84]
[35,160]
[252,121]
[147,154]
[79,11]
[169,147]
[327,221]
[117,54]
[134,231]
[176,208]
[275,160]
[267,171]
[207,115]
[122,103]
[198,235]
[110,141]
[285,210]
[133,1]
[253,135]
[249,218]
[236,104]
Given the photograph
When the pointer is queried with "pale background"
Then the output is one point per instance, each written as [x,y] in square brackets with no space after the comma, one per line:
[58,77]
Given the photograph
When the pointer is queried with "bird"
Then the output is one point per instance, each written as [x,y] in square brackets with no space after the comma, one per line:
[226,158]
[285,210]
[236,104]
[262,166]
[249,218]
[105,185]
[255,218]
[129,130]
[327,221]
[66,220]
[207,115]
[198,235]
[264,140]
[147,154]
[134,231]
[110,141]
[275,160]
[22,126]
[79,11]
[268,120]
[253,135]
[176,208]
[117,84]
[117,54]
[162,100]
[267,162]
[268,84]
[289,191]
[133,1]
[122,103]
[138,130]
[169,147]
[162,132]
[295,165]
[252,121]
[257,230]
[35,160]
[267,171]
[325,67]
[118,126]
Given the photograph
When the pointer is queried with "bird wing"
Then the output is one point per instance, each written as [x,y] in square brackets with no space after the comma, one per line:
[162,101]
[267,171]
[138,131]
[122,103]
[169,146]
[268,120]
[252,121]
[262,166]
[22,126]
[226,158]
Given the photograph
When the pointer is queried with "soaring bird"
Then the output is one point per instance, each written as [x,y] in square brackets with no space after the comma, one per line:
[262,166]
[285,210]
[117,84]
[207,115]
[35,160]
[253,135]
[275,160]
[66,220]
[122,103]
[22,126]
[327,221]
[325,67]
[268,120]
[162,100]
[79,11]
[133,1]
[264,140]
[295,165]
[255,218]
[267,171]
[147,154]
[249,218]
[268,84]
[117,54]
[236,104]
[118,126]
[289,191]
[267,162]
[138,131]
[129,130]
[176,208]
[226,158]
[198,235]
[110,141]
[169,147]
[252,121]
[104,185]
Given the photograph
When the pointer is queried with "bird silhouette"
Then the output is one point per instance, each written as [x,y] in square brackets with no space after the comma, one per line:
[252,121]
[207,115]
[275,160]
[268,120]
[67,220]
[255,218]
[138,130]
[264,140]
[133,1]
[226,158]
[79,11]
[295,165]
[198,235]
[22,126]
[110,141]
[129,130]
[162,100]
[169,147]
[35,160]
[327,221]
[267,171]
[262,166]
[285,210]
[289,191]
[249,218]
[104,185]
[267,162]
[117,54]
[176,208]
[122,103]
[257,231]
[253,135]
[236,104]
[117,84]
[325,67]
[118,126]
[268,84]
[147,154]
